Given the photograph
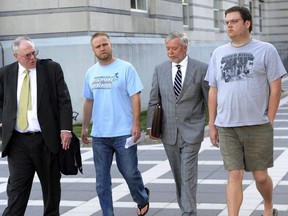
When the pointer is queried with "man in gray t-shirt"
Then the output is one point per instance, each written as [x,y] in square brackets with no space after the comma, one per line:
[245,89]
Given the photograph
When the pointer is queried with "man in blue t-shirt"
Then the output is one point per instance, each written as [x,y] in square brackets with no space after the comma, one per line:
[112,98]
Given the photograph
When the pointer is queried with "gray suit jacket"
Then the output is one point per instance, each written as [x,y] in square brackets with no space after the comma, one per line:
[187,113]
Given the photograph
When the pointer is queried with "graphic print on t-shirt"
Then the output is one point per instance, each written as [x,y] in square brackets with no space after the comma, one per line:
[104,82]
[237,67]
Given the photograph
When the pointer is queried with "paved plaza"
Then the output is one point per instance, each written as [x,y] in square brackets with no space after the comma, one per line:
[79,196]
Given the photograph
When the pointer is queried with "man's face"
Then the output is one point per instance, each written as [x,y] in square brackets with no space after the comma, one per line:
[235,25]
[175,50]
[26,55]
[102,48]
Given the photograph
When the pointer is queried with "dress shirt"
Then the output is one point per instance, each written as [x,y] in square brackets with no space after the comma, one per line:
[33,123]
[183,68]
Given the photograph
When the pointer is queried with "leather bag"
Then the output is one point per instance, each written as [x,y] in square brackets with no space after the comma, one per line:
[157,122]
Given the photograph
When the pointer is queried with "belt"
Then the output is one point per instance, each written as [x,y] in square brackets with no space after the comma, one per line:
[30,133]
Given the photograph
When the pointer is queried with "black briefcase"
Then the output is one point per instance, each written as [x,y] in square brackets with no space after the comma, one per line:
[157,122]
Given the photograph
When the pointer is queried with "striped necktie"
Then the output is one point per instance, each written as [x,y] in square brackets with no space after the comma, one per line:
[24,102]
[178,82]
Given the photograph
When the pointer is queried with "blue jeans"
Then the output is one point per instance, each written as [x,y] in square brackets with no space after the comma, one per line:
[127,163]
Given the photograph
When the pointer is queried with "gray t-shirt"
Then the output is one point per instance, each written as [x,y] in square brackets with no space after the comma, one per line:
[242,76]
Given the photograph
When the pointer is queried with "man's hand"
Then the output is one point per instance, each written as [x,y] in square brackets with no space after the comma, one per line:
[66,139]
[136,133]
[84,137]
[150,136]
[213,132]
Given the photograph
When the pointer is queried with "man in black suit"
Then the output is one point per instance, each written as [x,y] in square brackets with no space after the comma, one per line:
[34,147]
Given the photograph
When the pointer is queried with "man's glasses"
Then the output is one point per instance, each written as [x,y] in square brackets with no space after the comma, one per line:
[29,55]
[232,22]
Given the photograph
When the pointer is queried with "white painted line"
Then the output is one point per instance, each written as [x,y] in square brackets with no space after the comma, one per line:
[210,163]
[282,102]
[281,120]
[3,186]
[279,207]
[280,137]
[285,183]
[281,128]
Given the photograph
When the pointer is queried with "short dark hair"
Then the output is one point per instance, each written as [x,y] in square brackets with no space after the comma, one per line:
[244,12]
[97,34]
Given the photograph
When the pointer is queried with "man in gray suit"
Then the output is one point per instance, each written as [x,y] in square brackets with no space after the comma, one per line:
[178,85]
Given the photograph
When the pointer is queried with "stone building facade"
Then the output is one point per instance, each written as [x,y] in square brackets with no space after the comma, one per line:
[62,29]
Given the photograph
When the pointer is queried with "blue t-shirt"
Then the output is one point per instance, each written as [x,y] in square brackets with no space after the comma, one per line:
[111,87]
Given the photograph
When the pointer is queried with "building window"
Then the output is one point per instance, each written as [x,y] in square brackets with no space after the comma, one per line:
[216,13]
[251,11]
[260,18]
[139,4]
[251,7]
[185,12]
[240,2]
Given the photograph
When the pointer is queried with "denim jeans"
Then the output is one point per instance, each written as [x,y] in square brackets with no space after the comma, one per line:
[127,163]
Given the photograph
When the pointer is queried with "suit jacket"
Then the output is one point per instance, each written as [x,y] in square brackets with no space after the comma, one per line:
[53,103]
[187,113]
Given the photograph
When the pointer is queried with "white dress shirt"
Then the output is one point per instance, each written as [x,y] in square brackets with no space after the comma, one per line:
[183,69]
[33,123]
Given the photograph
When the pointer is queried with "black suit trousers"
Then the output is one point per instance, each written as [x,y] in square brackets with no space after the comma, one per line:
[29,154]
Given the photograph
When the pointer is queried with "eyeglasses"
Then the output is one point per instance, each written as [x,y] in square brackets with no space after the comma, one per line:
[29,55]
[232,22]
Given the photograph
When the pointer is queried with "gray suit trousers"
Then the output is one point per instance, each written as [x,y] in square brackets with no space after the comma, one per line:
[183,159]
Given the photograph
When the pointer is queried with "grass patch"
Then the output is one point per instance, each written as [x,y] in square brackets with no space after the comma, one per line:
[78,127]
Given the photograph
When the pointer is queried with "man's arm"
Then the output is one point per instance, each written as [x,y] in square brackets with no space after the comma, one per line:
[64,106]
[153,101]
[136,109]
[87,114]
[1,94]
[212,107]
[274,99]
[205,90]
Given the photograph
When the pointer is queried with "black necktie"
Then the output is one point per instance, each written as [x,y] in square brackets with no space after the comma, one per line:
[178,81]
